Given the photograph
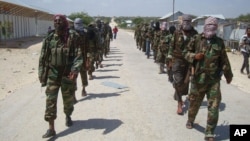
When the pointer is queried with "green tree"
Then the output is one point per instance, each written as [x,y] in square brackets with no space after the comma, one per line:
[244,18]
[84,16]
[138,20]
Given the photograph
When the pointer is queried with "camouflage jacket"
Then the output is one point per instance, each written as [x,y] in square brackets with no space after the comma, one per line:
[93,40]
[215,62]
[156,39]
[163,45]
[83,41]
[179,42]
[137,32]
[150,33]
[59,57]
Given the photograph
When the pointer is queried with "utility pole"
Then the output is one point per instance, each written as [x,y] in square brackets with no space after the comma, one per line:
[173,11]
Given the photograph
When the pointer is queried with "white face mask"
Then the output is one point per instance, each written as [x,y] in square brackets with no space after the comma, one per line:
[210,30]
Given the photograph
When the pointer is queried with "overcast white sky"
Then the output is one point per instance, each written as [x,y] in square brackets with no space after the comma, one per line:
[159,8]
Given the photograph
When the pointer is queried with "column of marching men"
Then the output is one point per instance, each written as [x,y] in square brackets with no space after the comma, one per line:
[156,38]
[97,35]
[184,53]
[96,46]
[189,58]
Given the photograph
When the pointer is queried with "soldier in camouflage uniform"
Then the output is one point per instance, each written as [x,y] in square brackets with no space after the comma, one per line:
[100,34]
[141,38]
[149,38]
[168,62]
[137,35]
[162,50]
[208,58]
[59,63]
[179,64]
[156,39]
[144,36]
[108,36]
[82,32]
[93,48]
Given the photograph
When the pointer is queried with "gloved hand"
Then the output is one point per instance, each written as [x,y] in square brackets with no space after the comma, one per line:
[229,80]
[199,56]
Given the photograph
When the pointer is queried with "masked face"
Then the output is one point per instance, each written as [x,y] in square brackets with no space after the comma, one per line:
[186,25]
[58,23]
[210,30]
[210,27]
[78,24]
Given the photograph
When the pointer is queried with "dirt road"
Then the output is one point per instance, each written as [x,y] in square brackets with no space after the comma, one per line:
[127,101]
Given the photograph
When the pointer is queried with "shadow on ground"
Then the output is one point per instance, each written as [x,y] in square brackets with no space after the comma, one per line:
[221,131]
[105,77]
[108,125]
[101,95]
[107,70]
[108,65]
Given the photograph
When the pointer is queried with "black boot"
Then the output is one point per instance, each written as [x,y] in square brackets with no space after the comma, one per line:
[84,93]
[49,133]
[68,121]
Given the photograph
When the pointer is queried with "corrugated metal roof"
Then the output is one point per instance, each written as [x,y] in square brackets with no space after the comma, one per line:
[42,9]
[219,16]
[17,7]
[168,15]
[17,2]
[20,7]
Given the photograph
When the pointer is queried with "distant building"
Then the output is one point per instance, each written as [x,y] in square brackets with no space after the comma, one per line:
[18,20]
[236,33]
[171,18]
[129,23]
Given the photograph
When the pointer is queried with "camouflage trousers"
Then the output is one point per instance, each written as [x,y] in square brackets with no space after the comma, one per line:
[161,56]
[179,71]
[84,76]
[67,88]
[106,47]
[196,96]
[99,55]
[155,51]
[91,61]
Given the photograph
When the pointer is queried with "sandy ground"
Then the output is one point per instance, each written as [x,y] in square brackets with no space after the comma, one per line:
[19,64]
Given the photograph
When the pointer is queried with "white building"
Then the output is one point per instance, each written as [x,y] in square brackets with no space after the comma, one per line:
[129,23]
[171,18]
[18,20]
